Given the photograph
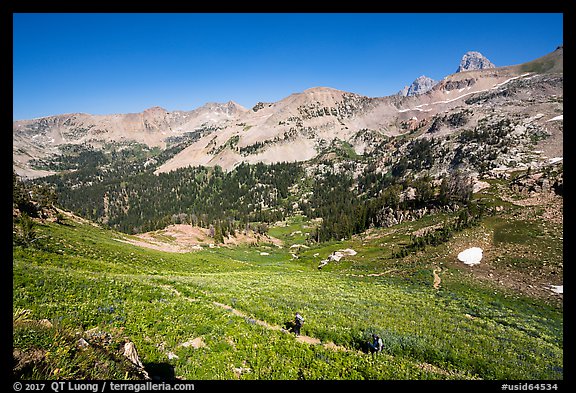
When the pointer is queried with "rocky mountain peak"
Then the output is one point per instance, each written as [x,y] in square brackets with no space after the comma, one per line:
[320,89]
[229,108]
[155,110]
[233,107]
[303,125]
[420,86]
[474,61]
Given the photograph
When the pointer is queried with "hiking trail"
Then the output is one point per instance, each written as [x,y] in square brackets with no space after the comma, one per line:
[437,279]
[308,339]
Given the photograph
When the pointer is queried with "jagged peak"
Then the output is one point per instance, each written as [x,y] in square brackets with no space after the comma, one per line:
[155,109]
[473,60]
[223,106]
[421,85]
[423,78]
[235,104]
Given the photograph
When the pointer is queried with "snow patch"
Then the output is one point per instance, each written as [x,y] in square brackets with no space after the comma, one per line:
[556,288]
[560,117]
[463,95]
[336,256]
[555,159]
[471,256]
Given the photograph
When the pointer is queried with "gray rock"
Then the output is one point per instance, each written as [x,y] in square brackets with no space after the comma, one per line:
[83,344]
[403,92]
[420,86]
[474,61]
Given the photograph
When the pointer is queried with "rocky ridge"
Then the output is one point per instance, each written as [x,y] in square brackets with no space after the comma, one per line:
[305,125]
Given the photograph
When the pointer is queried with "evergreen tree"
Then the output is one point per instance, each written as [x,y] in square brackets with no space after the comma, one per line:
[218,236]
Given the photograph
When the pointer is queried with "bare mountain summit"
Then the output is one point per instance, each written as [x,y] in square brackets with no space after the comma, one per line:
[474,61]
[420,86]
[311,124]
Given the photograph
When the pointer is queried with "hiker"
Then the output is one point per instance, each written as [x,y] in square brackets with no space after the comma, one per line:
[377,344]
[298,321]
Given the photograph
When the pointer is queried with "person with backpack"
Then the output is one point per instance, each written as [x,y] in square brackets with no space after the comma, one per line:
[298,322]
[377,344]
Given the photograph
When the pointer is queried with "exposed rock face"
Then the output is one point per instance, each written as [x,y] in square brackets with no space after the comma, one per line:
[474,61]
[305,125]
[420,86]
[261,105]
[539,183]
[458,84]
[403,92]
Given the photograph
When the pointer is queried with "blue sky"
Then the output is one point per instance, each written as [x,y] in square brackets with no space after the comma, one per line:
[125,63]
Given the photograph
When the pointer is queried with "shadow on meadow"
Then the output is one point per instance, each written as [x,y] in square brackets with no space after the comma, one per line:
[160,371]
[289,326]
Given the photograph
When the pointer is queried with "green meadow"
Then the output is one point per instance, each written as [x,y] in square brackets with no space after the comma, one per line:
[234,302]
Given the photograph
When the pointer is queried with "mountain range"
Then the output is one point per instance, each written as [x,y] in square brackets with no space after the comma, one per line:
[470,61]
[298,127]
[188,234]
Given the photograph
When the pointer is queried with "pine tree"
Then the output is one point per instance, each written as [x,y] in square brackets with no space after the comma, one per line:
[218,237]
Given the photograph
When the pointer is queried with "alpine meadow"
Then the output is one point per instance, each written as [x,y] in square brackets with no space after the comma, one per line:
[179,245]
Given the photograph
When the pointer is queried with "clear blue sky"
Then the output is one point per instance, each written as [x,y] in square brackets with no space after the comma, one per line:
[125,63]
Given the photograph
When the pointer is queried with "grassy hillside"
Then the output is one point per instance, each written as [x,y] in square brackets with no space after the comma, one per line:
[218,313]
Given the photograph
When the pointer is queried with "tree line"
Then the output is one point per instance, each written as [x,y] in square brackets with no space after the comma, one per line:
[126,195]
[195,195]
[348,207]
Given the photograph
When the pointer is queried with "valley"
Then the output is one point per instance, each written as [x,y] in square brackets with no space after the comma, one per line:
[195,236]
[229,298]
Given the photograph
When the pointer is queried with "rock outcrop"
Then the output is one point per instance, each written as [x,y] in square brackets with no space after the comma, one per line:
[304,125]
[420,86]
[474,61]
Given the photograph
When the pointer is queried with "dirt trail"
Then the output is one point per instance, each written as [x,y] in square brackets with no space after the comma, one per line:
[306,339]
[371,274]
[301,338]
[330,345]
[256,321]
[437,279]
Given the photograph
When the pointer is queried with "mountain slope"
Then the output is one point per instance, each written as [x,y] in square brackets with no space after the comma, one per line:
[296,128]
[370,228]
[211,314]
